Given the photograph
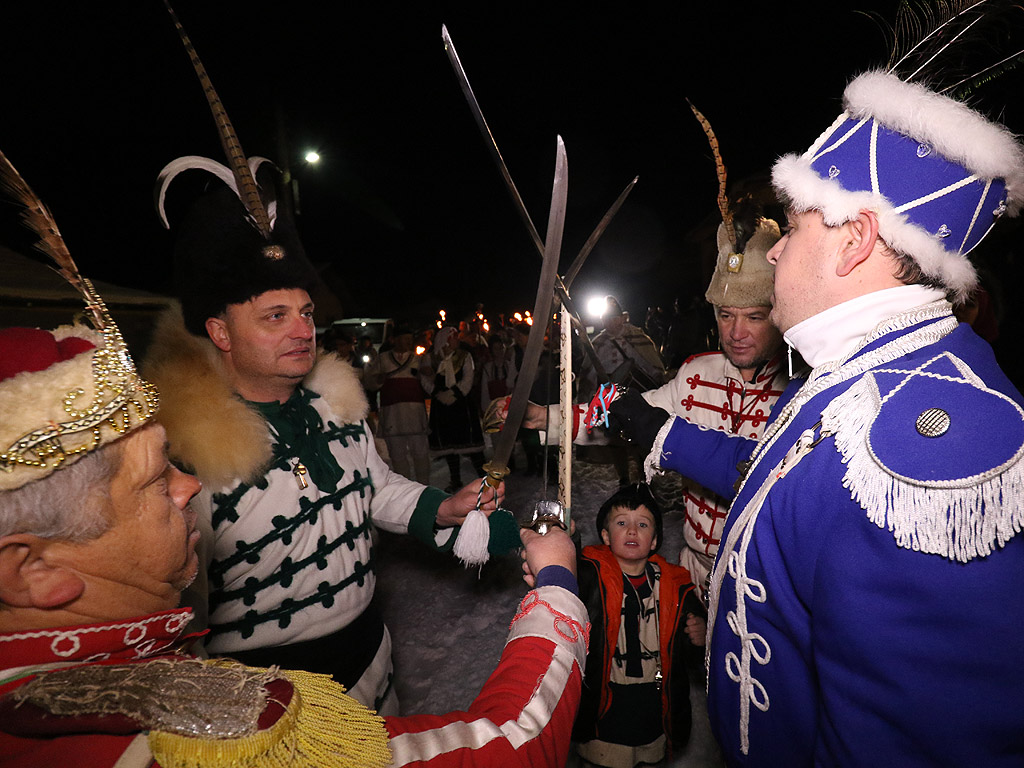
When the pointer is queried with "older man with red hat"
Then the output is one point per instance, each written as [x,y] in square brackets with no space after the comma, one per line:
[97,541]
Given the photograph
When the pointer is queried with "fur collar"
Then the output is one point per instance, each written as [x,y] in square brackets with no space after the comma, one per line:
[212,431]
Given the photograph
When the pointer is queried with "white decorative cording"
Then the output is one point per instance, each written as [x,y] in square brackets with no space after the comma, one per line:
[753,646]
[57,647]
[855,365]
[177,622]
[873,158]
[959,519]
[953,129]
[804,190]
[61,633]
[942,193]
[733,561]
[653,460]
[842,139]
[135,634]
[977,212]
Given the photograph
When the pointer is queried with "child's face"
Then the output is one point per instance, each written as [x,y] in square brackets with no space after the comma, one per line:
[630,534]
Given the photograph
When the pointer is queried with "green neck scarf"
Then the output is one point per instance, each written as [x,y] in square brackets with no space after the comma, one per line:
[300,433]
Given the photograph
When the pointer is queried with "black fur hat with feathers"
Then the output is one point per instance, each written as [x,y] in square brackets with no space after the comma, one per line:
[235,242]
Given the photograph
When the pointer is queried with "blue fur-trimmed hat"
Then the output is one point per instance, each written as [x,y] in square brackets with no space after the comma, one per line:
[937,173]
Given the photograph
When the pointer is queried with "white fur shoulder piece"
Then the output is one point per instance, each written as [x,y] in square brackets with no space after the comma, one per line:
[338,383]
[213,432]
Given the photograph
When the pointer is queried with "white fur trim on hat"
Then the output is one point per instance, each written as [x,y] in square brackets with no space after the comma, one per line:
[954,130]
[805,190]
[52,417]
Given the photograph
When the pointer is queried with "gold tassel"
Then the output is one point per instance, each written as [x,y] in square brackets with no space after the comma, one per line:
[322,726]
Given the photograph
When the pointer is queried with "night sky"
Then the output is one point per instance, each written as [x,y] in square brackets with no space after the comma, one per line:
[406,209]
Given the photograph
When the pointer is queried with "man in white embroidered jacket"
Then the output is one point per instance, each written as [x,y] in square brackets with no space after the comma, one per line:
[869,578]
[292,482]
[732,390]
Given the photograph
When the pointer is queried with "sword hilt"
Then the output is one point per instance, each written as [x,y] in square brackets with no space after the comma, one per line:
[547,515]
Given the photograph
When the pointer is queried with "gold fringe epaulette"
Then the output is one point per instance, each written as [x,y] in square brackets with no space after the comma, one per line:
[322,726]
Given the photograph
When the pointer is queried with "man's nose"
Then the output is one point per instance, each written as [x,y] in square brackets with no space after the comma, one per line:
[302,328]
[184,487]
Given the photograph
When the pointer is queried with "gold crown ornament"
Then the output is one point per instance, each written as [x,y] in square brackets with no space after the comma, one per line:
[70,391]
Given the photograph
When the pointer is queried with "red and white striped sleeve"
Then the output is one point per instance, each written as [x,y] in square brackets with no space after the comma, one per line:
[524,714]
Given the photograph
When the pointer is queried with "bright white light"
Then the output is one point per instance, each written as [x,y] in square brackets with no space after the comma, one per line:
[366,358]
[487,326]
[518,316]
[312,157]
[362,325]
[596,306]
[529,320]
[420,350]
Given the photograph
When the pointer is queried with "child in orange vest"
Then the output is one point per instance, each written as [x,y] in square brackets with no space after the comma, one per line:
[645,617]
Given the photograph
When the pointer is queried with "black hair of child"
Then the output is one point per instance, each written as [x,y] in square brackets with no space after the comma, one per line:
[632,497]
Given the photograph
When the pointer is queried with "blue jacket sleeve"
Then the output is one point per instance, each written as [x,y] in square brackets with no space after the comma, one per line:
[705,455]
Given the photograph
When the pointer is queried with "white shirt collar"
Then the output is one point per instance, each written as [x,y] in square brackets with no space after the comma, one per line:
[831,335]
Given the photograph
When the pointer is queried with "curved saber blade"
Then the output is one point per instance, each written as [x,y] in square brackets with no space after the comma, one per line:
[497,468]
[492,147]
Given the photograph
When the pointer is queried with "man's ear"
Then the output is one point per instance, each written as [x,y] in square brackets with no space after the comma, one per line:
[860,237]
[217,330]
[29,580]
[605,537]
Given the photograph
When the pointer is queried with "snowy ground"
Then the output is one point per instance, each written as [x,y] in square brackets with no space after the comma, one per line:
[449,624]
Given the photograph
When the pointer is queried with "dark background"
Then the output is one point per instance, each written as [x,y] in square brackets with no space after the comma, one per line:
[406,213]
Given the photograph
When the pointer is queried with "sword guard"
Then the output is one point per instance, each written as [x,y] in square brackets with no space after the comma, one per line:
[494,474]
[496,413]
[547,515]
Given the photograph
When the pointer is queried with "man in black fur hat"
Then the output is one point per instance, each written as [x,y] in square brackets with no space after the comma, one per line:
[292,481]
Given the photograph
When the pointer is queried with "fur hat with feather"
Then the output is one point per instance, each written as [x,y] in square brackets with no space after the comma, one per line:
[743,276]
[234,243]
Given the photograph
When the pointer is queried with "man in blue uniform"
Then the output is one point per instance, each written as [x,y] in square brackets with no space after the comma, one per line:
[866,603]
